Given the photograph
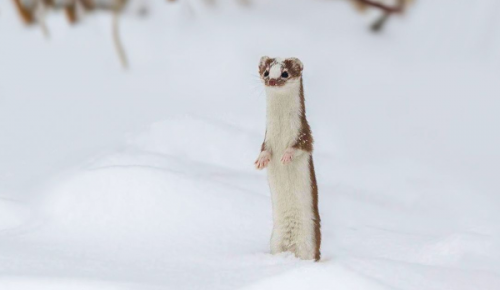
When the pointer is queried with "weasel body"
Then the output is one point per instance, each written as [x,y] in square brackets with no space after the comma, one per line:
[287,153]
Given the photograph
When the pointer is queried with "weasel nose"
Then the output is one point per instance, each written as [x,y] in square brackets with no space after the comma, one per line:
[272,82]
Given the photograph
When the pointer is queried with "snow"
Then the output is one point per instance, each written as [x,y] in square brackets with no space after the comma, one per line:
[144,179]
[52,284]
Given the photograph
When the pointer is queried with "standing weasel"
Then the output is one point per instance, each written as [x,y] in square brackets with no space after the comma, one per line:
[287,153]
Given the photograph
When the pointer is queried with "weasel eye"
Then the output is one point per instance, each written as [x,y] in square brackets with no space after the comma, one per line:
[266,73]
[284,75]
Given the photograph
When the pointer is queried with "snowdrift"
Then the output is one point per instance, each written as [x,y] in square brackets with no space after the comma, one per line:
[144,179]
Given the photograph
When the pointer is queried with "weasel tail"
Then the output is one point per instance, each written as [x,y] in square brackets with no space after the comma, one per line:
[287,154]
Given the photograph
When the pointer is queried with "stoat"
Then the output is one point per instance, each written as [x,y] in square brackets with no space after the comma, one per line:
[287,154]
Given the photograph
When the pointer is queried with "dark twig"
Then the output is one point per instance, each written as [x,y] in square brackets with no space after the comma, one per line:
[378,25]
[398,8]
[380,22]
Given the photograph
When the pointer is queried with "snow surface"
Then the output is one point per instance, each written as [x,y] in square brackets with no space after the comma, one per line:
[144,179]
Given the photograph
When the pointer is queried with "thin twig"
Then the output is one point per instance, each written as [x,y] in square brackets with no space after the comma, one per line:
[398,8]
[88,5]
[116,39]
[387,12]
[41,19]
[70,11]
[26,14]
[380,22]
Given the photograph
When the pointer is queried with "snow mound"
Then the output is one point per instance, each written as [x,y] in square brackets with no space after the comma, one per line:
[320,277]
[202,140]
[56,284]
[141,204]
[405,125]
[166,174]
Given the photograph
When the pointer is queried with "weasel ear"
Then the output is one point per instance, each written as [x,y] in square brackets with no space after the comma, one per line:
[263,60]
[297,64]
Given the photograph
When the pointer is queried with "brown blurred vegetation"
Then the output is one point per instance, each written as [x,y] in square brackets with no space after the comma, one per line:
[27,9]
[31,11]
[388,9]
[34,11]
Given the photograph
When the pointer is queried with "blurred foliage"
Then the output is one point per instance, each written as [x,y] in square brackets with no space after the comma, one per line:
[387,7]
[33,12]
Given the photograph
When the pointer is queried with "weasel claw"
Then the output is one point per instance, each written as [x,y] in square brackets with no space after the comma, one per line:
[263,160]
[287,156]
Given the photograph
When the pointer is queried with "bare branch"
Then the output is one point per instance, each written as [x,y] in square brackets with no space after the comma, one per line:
[116,35]
[387,11]
[25,13]
[398,8]
[380,22]
[70,11]
[88,5]
[40,16]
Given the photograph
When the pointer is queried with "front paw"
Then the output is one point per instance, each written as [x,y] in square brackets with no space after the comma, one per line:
[263,160]
[288,156]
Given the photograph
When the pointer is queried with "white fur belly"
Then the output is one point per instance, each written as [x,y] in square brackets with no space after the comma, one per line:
[292,205]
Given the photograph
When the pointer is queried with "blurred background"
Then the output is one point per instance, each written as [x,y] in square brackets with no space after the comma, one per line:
[128,132]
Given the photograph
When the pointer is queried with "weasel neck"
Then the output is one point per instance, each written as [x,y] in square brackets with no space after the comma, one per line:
[284,111]
[285,100]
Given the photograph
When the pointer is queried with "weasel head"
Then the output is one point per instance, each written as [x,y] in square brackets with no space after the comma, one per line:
[280,73]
